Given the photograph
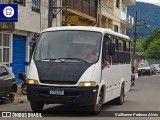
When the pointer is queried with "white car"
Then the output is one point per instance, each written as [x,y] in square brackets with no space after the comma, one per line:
[144,69]
[155,68]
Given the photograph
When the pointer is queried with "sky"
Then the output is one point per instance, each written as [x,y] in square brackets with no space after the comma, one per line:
[150,1]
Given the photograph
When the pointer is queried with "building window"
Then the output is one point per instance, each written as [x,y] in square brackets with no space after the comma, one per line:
[36,5]
[117,3]
[116,28]
[4,48]
[21,2]
[120,45]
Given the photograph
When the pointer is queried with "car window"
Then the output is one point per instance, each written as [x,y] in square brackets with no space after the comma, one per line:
[143,65]
[3,71]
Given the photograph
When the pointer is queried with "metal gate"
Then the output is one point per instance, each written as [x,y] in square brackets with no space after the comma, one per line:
[19,55]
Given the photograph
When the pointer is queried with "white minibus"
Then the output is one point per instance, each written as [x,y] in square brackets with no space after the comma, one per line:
[86,66]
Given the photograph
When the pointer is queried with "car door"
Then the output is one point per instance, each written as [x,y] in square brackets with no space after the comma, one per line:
[1,85]
[5,81]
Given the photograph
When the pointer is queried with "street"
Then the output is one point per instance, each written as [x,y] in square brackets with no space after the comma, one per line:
[90,49]
[144,96]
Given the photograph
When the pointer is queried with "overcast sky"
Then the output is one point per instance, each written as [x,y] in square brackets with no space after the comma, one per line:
[150,1]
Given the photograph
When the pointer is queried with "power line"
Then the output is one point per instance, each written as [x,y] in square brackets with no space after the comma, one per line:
[115,16]
[109,12]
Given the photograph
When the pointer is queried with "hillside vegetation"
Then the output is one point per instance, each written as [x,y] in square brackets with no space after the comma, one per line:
[148,12]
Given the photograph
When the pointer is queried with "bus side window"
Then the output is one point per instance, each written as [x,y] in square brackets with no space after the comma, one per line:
[116,42]
[127,46]
[105,55]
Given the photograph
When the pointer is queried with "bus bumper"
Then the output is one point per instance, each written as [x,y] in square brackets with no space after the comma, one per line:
[72,95]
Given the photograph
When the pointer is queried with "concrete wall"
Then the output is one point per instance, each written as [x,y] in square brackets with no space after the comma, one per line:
[34,21]
[31,22]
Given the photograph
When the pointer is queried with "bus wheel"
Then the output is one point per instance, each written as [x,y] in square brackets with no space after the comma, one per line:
[120,100]
[36,106]
[95,109]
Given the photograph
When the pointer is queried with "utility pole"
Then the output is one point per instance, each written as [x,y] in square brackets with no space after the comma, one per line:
[99,13]
[134,42]
[50,9]
[137,23]
[51,14]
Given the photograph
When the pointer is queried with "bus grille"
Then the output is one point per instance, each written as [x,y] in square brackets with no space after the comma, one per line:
[59,82]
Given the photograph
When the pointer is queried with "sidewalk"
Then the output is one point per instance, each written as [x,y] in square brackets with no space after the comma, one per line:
[19,97]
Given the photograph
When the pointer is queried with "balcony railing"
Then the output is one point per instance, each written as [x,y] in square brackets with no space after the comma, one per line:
[7,26]
[127,18]
[106,10]
[81,6]
[130,19]
[128,2]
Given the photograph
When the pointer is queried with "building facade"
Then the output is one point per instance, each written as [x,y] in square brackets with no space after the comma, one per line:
[79,12]
[15,37]
[113,15]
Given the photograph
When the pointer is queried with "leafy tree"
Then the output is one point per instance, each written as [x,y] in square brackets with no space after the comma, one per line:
[153,50]
[153,36]
[140,45]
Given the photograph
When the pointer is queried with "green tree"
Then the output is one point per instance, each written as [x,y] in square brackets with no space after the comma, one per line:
[155,35]
[140,45]
[153,50]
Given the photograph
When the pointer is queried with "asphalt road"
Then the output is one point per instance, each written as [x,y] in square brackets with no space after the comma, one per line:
[144,96]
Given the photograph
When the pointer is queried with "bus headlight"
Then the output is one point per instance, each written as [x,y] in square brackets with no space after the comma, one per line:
[87,84]
[32,82]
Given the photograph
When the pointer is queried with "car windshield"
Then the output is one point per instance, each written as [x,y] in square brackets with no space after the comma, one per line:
[143,65]
[69,46]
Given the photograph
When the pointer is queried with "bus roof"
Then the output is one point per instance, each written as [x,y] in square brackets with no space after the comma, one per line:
[88,28]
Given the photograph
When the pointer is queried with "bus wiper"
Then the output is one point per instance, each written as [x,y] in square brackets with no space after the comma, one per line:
[79,59]
[61,59]
[51,59]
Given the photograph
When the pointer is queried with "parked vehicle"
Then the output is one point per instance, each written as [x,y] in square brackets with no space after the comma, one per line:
[8,86]
[144,69]
[60,73]
[22,77]
[155,68]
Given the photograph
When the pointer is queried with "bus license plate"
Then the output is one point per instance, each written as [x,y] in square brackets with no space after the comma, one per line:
[56,92]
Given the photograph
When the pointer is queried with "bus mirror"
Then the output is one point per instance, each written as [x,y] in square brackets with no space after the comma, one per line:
[107,38]
[34,39]
[111,49]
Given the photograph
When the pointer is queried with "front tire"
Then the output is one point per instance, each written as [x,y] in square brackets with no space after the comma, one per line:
[37,106]
[12,96]
[96,109]
[139,74]
[24,91]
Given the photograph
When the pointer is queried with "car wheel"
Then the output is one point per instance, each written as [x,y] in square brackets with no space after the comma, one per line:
[24,91]
[139,74]
[12,96]
[36,106]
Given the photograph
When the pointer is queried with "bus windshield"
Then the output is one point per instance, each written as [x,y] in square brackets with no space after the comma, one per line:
[69,46]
